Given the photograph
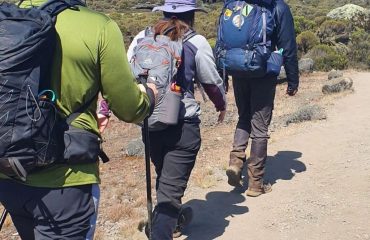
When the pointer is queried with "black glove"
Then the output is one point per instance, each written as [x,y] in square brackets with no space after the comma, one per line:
[291,91]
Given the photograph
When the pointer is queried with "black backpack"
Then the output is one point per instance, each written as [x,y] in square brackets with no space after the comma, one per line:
[32,133]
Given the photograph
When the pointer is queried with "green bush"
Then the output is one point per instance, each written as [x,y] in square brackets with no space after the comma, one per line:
[326,58]
[302,24]
[306,41]
[360,47]
[329,29]
[212,42]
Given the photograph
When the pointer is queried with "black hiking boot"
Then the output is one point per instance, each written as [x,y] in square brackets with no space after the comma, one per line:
[185,217]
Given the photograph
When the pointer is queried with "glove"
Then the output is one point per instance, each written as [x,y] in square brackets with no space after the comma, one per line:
[291,91]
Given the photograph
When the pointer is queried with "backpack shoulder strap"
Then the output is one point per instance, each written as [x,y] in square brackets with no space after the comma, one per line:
[54,7]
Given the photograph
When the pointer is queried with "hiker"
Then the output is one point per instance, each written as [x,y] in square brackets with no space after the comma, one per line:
[61,201]
[174,149]
[254,90]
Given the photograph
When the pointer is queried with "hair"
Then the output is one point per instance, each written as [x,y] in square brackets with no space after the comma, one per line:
[174,25]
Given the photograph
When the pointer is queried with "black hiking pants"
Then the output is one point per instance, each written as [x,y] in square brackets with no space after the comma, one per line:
[51,213]
[173,152]
[255,102]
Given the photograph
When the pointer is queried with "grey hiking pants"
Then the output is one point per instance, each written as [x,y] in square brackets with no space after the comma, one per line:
[255,101]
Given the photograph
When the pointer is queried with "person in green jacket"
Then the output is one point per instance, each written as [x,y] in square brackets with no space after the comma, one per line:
[61,202]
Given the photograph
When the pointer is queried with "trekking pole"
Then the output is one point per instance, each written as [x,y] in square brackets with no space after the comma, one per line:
[3,217]
[143,80]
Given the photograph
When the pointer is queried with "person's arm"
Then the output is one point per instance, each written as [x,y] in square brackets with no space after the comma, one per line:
[118,85]
[206,73]
[285,39]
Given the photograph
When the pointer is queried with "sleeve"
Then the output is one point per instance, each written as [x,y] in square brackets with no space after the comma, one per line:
[118,86]
[206,73]
[285,39]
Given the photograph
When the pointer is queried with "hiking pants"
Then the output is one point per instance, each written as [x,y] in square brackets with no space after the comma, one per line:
[51,213]
[255,100]
[173,152]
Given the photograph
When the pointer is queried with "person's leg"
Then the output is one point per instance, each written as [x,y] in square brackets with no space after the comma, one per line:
[12,198]
[262,102]
[43,213]
[242,132]
[181,148]
[65,213]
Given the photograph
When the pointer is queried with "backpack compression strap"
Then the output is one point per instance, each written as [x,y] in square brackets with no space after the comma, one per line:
[264,26]
[54,7]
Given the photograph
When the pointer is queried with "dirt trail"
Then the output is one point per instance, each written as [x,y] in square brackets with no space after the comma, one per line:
[321,184]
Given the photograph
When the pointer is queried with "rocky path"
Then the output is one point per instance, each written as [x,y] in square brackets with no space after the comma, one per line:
[321,184]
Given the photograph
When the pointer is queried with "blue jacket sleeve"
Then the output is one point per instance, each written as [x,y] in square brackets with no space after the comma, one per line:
[285,38]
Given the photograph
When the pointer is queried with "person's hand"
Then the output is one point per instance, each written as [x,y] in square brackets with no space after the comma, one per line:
[291,91]
[154,89]
[221,116]
[102,122]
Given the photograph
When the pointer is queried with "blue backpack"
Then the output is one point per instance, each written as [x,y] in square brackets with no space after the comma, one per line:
[244,39]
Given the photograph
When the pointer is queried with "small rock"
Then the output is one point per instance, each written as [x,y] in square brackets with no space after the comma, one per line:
[305,65]
[337,85]
[335,74]
[135,148]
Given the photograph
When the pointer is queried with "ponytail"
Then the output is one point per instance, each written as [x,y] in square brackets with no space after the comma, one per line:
[172,27]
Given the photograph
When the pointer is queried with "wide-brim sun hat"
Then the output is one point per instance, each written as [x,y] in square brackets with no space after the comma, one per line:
[179,6]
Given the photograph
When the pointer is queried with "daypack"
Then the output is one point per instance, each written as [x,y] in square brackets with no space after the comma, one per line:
[158,60]
[32,133]
[244,39]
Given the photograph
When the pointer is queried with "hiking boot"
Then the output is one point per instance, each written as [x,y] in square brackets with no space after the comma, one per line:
[255,192]
[185,217]
[234,175]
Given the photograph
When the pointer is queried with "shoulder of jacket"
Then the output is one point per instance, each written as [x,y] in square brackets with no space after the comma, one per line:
[281,7]
[198,40]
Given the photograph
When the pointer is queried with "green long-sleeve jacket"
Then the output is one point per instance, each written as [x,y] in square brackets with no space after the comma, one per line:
[89,56]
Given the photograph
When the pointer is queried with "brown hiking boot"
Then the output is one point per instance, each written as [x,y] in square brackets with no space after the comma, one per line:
[234,175]
[255,192]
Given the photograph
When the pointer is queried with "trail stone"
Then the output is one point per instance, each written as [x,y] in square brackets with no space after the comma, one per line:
[306,65]
[135,148]
[335,74]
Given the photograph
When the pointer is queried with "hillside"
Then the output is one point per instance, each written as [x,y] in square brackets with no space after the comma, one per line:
[298,6]
[332,43]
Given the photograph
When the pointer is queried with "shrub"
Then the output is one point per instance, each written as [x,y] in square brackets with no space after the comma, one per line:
[306,113]
[326,58]
[302,24]
[360,47]
[306,40]
[332,28]
[212,42]
[319,20]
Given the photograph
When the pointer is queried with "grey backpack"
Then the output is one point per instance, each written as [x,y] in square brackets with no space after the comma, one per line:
[158,61]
